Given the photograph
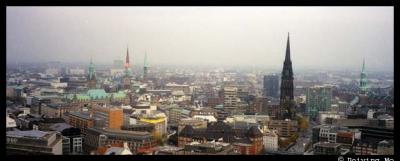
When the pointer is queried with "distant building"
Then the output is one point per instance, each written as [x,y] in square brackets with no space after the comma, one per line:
[115,150]
[204,111]
[284,128]
[329,149]
[246,141]
[81,120]
[195,123]
[76,71]
[209,148]
[270,141]
[178,87]
[324,115]
[97,137]
[231,99]
[33,143]
[94,96]
[72,139]
[118,64]
[159,122]
[53,71]
[385,147]
[365,148]
[271,85]
[91,78]
[112,116]
[145,67]
[258,105]
[318,99]
[174,115]
[333,134]
[10,123]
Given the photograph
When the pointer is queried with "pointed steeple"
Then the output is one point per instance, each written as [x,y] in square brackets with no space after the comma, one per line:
[363,80]
[287,57]
[363,67]
[127,58]
[145,58]
[91,69]
[287,98]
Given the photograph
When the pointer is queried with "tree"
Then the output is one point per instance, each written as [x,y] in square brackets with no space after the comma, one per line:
[303,123]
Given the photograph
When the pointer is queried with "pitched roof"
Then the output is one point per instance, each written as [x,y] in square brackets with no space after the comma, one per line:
[97,93]
[254,132]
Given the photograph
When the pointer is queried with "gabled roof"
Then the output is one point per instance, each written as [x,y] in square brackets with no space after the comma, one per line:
[254,132]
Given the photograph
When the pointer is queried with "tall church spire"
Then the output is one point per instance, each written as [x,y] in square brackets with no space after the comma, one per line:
[363,66]
[145,58]
[287,57]
[287,99]
[127,58]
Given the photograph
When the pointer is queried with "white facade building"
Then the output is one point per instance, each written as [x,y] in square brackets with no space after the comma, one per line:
[270,141]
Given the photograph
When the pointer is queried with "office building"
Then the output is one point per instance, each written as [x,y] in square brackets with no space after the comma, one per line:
[81,120]
[271,86]
[100,137]
[231,100]
[33,143]
[270,140]
[318,99]
[284,128]
[112,116]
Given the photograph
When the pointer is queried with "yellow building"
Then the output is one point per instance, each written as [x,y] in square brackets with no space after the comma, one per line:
[160,125]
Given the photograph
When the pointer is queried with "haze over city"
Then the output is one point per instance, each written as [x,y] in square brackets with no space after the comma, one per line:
[200,81]
[321,37]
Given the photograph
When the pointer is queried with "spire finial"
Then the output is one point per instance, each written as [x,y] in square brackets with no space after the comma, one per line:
[145,57]
[363,67]
[287,57]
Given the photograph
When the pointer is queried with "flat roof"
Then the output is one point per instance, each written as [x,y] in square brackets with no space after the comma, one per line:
[84,115]
[30,133]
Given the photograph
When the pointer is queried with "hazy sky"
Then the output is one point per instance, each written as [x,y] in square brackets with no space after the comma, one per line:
[331,37]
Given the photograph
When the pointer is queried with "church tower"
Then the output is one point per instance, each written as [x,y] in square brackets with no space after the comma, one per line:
[286,99]
[145,67]
[127,76]
[91,78]
[363,80]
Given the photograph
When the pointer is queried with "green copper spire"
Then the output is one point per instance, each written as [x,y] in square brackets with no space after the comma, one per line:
[145,59]
[363,67]
[363,80]
[92,72]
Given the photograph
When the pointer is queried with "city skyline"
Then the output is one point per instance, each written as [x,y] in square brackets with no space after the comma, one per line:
[56,33]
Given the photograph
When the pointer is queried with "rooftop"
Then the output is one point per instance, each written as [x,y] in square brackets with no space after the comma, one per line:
[84,115]
[30,134]
[60,126]
[327,145]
